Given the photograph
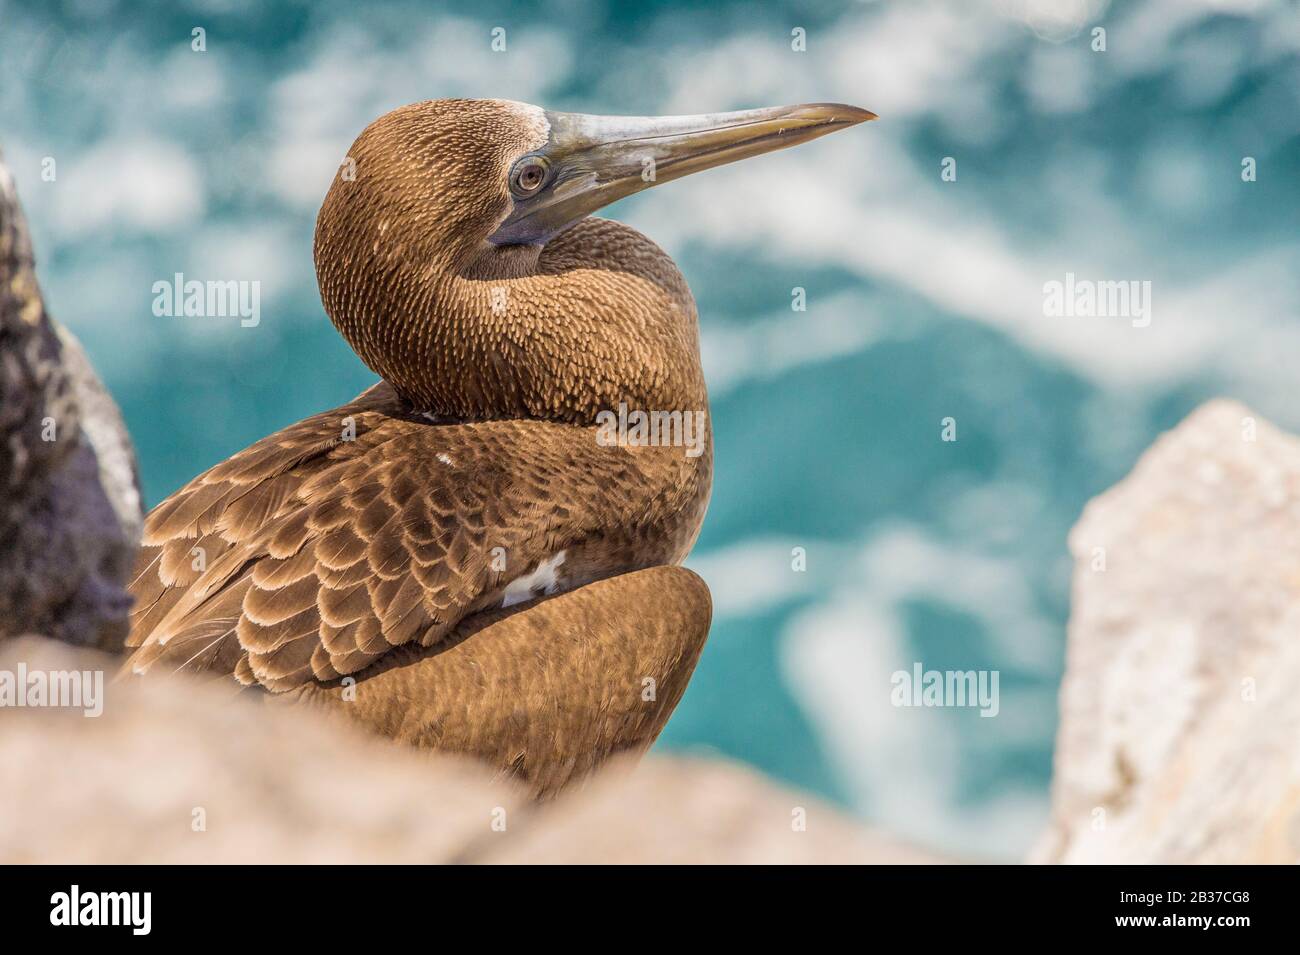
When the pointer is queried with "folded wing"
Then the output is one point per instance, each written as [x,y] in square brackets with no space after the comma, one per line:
[316,551]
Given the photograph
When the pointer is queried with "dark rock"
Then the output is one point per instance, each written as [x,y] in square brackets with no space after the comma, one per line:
[69,496]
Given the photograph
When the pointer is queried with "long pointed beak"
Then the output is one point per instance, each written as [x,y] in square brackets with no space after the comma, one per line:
[591,161]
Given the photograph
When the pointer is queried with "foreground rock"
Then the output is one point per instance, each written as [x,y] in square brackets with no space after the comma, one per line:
[69,504]
[1180,717]
[173,771]
[672,811]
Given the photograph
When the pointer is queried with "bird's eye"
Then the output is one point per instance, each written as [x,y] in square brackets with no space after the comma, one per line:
[528,176]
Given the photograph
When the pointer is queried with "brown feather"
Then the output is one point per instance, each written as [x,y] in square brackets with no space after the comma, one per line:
[269,637]
[280,572]
[338,608]
[256,505]
[548,718]
[266,607]
[182,514]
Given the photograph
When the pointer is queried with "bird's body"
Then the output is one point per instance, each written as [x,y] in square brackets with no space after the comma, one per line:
[308,557]
[494,577]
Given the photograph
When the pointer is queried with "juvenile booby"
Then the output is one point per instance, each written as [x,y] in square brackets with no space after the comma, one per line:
[455,558]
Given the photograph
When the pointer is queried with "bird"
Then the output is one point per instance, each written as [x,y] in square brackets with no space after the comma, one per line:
[465,557]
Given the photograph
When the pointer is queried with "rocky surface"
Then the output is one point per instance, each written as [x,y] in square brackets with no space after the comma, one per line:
[175,771]
[671,811]
[1180,720]
[70,506]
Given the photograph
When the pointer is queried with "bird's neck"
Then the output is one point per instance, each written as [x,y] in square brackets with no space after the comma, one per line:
[600,318]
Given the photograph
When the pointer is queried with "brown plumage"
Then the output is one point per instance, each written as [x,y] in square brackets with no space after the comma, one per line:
[379,541]
[547,692]
[307,557]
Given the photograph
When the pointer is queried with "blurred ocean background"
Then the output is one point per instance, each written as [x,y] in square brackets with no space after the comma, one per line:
[924,301]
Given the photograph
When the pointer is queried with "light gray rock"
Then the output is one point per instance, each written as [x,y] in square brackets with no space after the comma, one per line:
[177,771]
[1180,717]
[173,771]
[676,811]
[70,513]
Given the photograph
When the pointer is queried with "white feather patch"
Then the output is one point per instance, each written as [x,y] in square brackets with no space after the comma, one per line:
[543,580]
[533,119]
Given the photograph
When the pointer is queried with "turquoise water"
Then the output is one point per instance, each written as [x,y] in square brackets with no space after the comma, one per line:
[925,301]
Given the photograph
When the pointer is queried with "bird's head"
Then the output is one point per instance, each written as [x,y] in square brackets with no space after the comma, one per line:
[438,200]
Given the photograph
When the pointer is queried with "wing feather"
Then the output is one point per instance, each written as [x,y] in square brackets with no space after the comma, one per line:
[322,554]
